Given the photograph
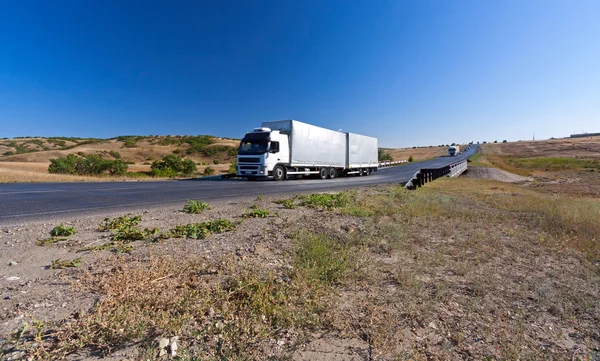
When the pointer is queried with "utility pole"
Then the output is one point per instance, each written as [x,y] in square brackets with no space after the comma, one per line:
[534,136]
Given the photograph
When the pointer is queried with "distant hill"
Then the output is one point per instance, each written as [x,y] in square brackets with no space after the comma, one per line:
[132,149]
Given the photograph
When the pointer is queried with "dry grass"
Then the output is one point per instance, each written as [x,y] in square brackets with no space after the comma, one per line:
[418,154]
[561,166]
[459,269]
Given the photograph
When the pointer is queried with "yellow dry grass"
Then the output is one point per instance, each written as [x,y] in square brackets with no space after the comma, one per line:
[418,154]
[13,172]
[567,147]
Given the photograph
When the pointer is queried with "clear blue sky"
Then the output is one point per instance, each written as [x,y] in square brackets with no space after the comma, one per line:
[408,72]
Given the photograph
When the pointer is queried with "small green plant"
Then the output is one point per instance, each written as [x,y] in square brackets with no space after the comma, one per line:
[255,212]
[51,240]
[63,231]
[410,159]
[232,168]
[321,259]
[259,198]
[201,230]
[195,206]
[216,161]
[287,203]
[208,171]
[326,201]
[66,263]
[119,223]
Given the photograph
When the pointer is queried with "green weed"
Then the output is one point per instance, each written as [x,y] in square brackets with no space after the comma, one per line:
[66,263]
[201,230]
[327,201]
[119,223]
[63,231]
[195,206]
[255,212]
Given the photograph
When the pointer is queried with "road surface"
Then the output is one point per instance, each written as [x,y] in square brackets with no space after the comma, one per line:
[24,202]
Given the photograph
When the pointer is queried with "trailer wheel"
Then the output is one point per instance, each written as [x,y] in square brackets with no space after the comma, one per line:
[360,172]
[323,173]
[278,173]
[332,173]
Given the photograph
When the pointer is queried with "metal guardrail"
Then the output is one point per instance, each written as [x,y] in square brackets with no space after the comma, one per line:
[425,175]
[392,163]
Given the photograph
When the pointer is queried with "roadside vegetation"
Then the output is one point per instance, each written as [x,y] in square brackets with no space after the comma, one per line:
[458,267]
[88,165]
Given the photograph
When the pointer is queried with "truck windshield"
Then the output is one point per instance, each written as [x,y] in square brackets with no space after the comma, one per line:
[253,147]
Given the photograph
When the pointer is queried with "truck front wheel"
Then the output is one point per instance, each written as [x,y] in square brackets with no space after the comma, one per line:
[278,173]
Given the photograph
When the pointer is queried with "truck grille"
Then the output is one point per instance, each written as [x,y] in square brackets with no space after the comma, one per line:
[249,160]
[248,167]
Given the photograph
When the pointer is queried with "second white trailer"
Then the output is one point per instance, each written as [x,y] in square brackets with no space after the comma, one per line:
[362,153]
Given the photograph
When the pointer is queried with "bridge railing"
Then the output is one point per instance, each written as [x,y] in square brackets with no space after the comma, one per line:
[391,163]
[425,175]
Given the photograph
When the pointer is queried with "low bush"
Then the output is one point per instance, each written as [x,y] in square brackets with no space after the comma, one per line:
[326,201]
[63,231]
[201,230]
[286,203]
[90,165]
[232,168]
[195,206]
[172,165]
[208,171]
[255,212]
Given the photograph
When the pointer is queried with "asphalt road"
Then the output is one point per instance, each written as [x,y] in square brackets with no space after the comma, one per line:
[25,202]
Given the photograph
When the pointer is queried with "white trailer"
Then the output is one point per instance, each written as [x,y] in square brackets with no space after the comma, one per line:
[291,148]
[362,154]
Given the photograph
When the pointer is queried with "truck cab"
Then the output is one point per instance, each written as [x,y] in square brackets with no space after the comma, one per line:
[260,151]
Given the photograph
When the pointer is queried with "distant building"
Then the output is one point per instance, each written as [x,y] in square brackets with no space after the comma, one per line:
[584,135]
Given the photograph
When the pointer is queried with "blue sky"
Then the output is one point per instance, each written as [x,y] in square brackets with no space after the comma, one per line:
[408,72]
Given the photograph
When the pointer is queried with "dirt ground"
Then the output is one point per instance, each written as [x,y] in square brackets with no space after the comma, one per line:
[494,174]
[565,147]
[503,278]
[573,180]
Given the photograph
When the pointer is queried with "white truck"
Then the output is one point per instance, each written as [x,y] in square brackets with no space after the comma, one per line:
[283,148]
[454,150]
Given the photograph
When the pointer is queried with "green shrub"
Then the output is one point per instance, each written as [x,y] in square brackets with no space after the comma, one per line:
[202,230]
[286,203]
[325,200]
[215,161]
[410,159]
[208,171]
[232,168]
[255,212]
[195,206]
[321,259]
[63,231]
[119,223]
[384,156]
[83,164]
[114,154]
[172,165]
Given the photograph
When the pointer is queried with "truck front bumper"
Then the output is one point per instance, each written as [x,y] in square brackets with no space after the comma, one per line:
[252,171]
